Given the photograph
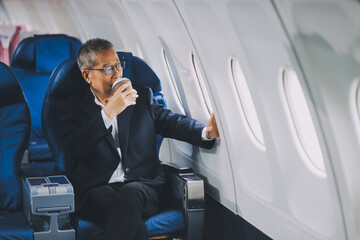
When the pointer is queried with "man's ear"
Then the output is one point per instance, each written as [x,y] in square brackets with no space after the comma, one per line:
[85,74]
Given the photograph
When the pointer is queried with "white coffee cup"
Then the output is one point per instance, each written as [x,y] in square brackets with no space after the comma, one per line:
[116,84]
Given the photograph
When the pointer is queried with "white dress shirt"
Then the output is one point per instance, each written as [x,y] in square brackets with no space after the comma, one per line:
[118,175]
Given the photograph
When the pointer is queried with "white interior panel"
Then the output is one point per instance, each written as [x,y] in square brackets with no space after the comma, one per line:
[125,30]
[275,189]
[208,34]
[326,38]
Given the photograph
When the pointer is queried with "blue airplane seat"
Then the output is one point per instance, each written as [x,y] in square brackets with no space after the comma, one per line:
[14,136]
[32,62]
[65,80]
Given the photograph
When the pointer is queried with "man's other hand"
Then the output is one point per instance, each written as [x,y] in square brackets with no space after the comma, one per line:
[212,129]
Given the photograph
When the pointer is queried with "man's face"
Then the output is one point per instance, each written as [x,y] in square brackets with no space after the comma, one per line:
[101,82]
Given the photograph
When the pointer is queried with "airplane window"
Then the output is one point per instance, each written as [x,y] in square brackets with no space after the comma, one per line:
[356,103]
[305,133]
[247,104]
[201,82]
[358,98]
[173,83]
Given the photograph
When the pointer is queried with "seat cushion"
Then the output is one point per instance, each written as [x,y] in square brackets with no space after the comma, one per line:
[87,230]
[160,224]
[13,225]
[165,222]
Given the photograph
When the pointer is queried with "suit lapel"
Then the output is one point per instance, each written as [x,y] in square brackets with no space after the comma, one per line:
[124,120]
[88,104]
[91,108]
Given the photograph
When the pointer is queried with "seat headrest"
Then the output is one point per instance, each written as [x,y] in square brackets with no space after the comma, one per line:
[139,72]
[10,89]
[42,53]
[66,80]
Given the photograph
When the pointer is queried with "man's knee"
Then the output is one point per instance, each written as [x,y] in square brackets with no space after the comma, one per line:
[133,191]
[135,194]
[104,194]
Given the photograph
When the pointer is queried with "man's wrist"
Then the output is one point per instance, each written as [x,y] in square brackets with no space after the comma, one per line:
[204,135]
[108,113]
[207,134]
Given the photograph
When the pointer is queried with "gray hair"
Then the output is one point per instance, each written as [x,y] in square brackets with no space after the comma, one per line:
[87,52]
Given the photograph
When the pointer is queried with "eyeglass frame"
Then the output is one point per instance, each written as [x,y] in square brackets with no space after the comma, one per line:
[111,68]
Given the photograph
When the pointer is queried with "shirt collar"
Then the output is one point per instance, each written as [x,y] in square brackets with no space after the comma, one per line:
[96,100]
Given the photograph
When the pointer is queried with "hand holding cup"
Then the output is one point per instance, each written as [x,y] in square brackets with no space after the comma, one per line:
[124,95]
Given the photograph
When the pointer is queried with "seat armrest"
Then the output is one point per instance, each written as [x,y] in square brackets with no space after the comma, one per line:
[48,199]
[186,192]
[177,169]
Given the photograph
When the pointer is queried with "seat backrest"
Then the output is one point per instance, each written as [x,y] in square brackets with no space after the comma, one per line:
[67,79]
[33,61]
[42,53]
[14,137]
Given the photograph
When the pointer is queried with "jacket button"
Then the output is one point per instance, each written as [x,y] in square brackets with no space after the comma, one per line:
[127,170]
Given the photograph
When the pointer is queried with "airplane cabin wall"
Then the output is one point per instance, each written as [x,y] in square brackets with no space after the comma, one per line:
[274,180]
[240,59]
[326,38]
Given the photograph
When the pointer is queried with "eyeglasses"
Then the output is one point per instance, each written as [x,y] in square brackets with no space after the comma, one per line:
[109,70]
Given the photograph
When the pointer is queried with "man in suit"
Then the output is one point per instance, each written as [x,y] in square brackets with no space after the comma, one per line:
[111,135]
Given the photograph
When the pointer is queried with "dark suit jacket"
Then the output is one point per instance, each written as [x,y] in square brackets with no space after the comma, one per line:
[92,147]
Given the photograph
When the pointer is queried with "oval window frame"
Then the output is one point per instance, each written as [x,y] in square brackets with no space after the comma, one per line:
[201,83]
[251,119]
[308,152]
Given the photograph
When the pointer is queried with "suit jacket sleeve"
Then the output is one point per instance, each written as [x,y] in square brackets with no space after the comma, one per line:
[177,126]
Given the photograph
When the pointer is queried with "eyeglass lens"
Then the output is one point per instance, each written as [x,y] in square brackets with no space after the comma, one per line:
[110,70]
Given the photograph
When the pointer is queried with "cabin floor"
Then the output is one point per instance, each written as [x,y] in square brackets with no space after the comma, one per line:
[221,223]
